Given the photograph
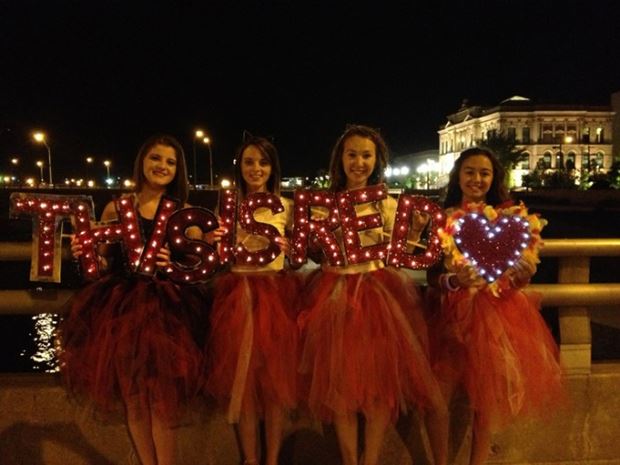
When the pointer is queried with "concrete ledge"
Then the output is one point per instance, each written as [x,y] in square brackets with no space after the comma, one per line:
[39,426]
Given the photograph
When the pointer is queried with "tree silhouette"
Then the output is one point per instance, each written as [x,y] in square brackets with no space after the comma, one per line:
[505,147]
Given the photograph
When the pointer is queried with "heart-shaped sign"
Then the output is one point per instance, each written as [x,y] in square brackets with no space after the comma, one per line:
[492,246]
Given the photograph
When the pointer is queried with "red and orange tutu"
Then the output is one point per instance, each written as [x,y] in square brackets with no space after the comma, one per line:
[501,351]
[252,351]
[365,344]
[131,338]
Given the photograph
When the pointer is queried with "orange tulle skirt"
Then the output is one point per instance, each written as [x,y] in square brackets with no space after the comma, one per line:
[252,350]
[129,339]
[365,345]
[501,351]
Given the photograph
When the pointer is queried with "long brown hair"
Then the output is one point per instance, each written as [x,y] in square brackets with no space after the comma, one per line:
[179,186]
[337,176]
[498,193]
[269,151]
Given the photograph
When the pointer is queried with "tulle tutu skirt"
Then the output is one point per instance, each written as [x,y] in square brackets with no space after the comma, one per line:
[130,339]
[501,351]
[365,344]
[252,350]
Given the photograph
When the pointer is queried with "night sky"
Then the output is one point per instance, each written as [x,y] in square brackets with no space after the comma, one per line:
[99,77]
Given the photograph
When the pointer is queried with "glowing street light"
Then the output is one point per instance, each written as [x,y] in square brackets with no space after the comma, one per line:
[40,165]
[225,183]
[559,158]
[107,164]
[207,141]
[15,163]
[425,169]
[198,134]
[89,162]
[41,139]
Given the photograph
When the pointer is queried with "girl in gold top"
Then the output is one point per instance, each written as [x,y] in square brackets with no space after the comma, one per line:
[253,343]
[365,346]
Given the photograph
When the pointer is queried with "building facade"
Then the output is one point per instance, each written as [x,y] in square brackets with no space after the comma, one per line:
[553,136]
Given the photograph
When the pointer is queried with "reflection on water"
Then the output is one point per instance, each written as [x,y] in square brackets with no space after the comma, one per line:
[44,357]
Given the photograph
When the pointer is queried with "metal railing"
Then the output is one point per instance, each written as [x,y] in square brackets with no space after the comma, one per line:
[572,293]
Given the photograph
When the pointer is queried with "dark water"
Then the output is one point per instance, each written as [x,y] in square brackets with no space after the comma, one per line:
[26,343]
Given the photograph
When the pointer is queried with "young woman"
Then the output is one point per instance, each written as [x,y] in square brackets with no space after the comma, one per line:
[497,347]
[253,343]
[365,344]
[127,343]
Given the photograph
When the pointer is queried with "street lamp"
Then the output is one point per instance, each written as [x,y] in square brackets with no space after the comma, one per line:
[40,165]
[15,163]
[560,154]
[89,162]
[424,168]
[40,138]
[207,141]
[198,134]
[107,164]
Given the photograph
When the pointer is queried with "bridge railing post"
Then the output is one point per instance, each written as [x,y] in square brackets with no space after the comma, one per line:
[575,331]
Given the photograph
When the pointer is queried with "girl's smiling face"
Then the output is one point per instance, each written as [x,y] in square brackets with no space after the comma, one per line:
[159,166]
[359,157]
[255,169]
[475,178]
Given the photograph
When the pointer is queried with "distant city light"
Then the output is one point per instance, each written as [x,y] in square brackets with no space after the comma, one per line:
[396,171]
[225,183]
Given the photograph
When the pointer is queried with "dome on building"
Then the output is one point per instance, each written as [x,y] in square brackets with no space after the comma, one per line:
[515,98]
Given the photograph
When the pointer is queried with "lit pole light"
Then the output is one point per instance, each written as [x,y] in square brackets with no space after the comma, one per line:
[89,162]
[207,141]
[15,163]
[425,169]
[41,139]
[225,184]
[198,134]
[40,165]
[559,157]
[107,164]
